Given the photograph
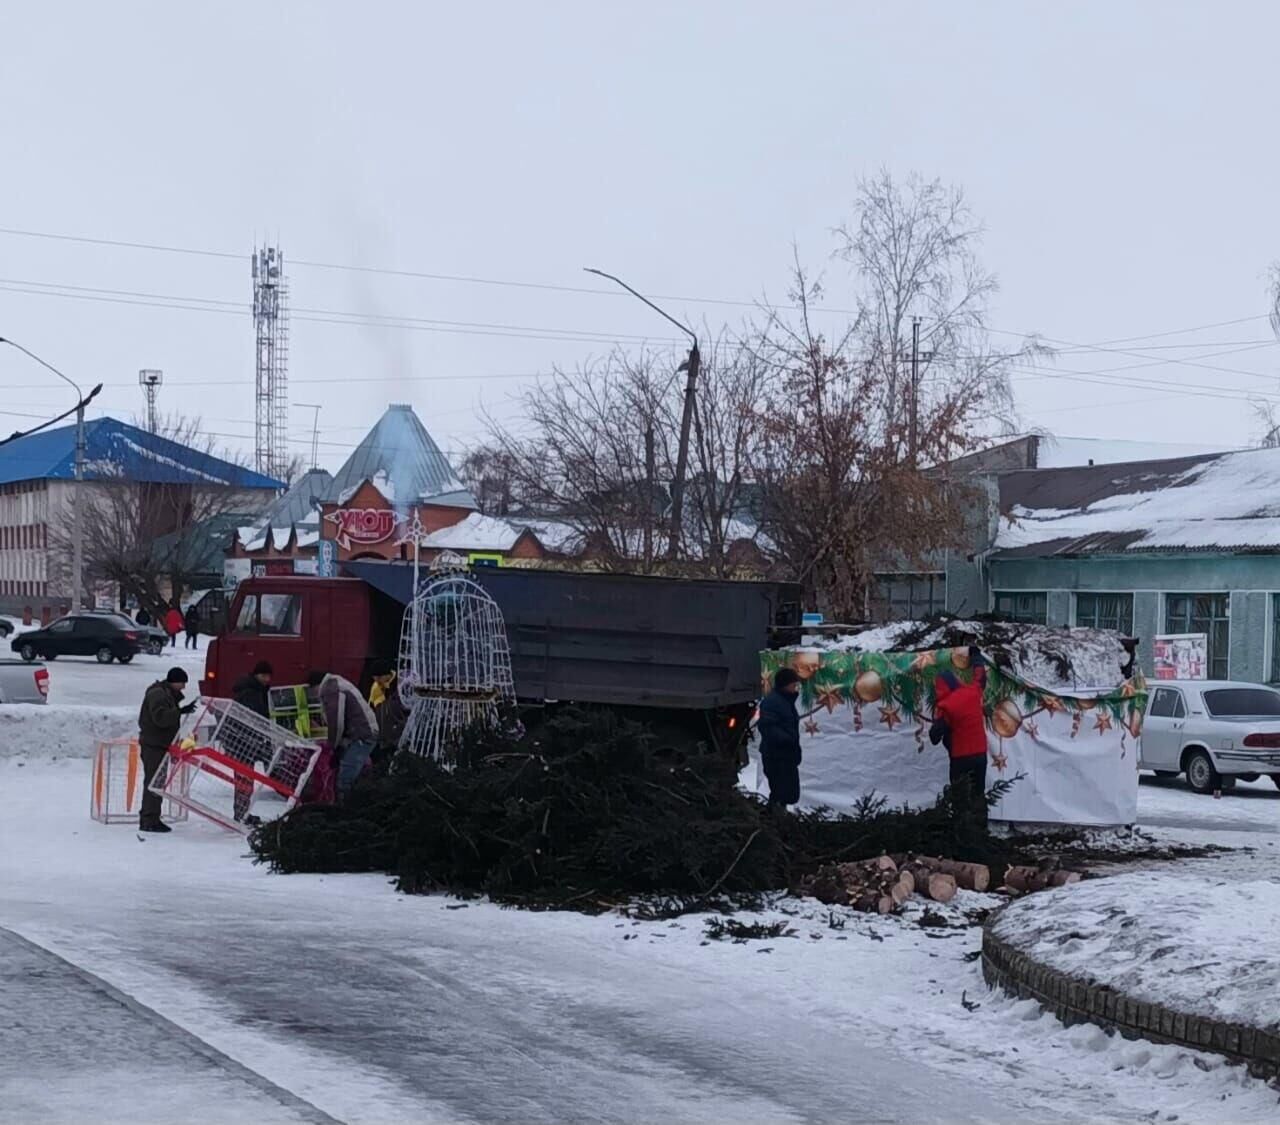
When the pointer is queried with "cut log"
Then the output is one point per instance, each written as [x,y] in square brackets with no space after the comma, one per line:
[886,905]
[900,892]
[883,863]
[1026,879]
[970,876]
[1064,878]
[942,887]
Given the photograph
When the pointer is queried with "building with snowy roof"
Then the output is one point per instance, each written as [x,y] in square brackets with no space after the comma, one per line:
[395,475]
[1184,545]
[37,482]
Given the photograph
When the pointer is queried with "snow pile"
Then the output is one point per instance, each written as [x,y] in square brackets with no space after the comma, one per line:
[1194,944]
[1071,661]
[60,731]
[1229,501]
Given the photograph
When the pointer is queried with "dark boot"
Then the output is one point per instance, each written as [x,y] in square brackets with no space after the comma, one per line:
[155,826]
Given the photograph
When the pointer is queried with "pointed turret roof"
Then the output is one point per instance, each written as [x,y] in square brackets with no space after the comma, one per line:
[403,462]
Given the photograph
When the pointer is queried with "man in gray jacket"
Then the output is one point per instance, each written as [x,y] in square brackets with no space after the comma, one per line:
[158,723]
[353,727]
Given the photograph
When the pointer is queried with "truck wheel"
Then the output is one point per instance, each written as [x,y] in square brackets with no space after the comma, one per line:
[1201,774]
[28,653]
[105,655]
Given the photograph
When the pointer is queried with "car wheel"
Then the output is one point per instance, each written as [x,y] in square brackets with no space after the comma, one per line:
[28,653]
[1165,775]
[154,648]
[1201,775]
[125,657]
[105,655]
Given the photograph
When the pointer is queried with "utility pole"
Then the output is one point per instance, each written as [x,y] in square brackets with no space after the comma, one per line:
[315,432]
[77,494]
[690,366]
[915,389]
[650,483]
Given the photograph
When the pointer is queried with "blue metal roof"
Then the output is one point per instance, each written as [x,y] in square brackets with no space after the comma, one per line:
[400,458]
[114,449]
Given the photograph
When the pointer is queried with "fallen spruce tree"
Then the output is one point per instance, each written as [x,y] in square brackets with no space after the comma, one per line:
[586,812]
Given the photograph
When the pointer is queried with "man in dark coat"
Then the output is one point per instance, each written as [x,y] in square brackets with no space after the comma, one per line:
[351,723]
[779,728]
[191,623]
[251,692]
[158,723]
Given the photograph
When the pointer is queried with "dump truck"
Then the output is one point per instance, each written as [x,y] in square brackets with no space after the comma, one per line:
[681,654]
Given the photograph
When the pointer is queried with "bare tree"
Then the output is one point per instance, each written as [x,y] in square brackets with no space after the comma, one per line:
[597,449]
[150,539]
[854,468]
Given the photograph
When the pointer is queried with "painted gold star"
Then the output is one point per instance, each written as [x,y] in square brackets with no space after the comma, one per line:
[890,716]
[810,727]
[830,698]
[999,760]
[1102,723]
[1127,690]
[1053,704]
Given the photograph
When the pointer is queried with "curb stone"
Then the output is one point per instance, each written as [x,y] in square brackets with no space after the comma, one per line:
[1076,1000]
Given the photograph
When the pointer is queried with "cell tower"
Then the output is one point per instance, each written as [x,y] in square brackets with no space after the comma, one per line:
[271,333]
[149,379]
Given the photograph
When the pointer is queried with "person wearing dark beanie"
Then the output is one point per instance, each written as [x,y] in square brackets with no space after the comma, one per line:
[779,729]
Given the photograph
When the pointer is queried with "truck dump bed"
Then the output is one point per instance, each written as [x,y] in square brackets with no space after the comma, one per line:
[625,639]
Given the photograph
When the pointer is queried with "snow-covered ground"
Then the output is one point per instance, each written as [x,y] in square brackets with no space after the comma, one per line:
[374,1006]
[1198,944]
[89,701]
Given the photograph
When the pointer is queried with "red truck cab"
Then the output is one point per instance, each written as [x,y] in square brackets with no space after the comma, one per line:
[297,624]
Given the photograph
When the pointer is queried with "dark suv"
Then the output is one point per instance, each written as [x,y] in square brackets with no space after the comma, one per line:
[82,634]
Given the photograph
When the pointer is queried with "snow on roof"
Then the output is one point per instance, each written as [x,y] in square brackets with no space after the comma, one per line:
[555,535]
[115,449]
[398,454]
[280,537]
[308,535]
[1228,501]
[1075,661]
[1066,452]
[476,533]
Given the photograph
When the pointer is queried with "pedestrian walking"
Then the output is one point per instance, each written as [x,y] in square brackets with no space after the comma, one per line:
[173,624]
[191,623]
[779,728]
[158,721]
[352,726]
[960,724]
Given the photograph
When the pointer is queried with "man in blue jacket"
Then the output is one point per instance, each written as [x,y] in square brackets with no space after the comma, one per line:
[779,728]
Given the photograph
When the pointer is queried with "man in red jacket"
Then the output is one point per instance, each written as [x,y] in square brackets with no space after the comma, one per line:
[960,724]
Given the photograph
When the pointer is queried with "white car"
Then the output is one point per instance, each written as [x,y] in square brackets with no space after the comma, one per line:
[1214,731]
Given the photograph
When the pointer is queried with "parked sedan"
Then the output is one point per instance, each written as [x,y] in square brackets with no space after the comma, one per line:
[154,639]
[1214,731]
[81,634]
[6,627]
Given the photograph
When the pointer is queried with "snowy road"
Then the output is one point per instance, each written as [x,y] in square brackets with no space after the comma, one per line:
[377,1007]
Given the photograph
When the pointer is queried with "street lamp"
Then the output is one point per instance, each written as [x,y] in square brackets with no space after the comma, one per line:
[77,527]
[690,366]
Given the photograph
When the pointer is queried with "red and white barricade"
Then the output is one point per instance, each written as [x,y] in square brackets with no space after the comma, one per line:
[236,768]
[115,796]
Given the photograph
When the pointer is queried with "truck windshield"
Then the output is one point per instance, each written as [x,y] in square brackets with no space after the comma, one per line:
[1238,702]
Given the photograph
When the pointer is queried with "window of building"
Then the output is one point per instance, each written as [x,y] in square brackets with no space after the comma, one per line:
[907,597]
[1030,609]
[1203,613]
[1106,611]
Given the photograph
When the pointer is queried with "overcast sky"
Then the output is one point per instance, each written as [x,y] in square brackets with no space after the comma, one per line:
[1121,155]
